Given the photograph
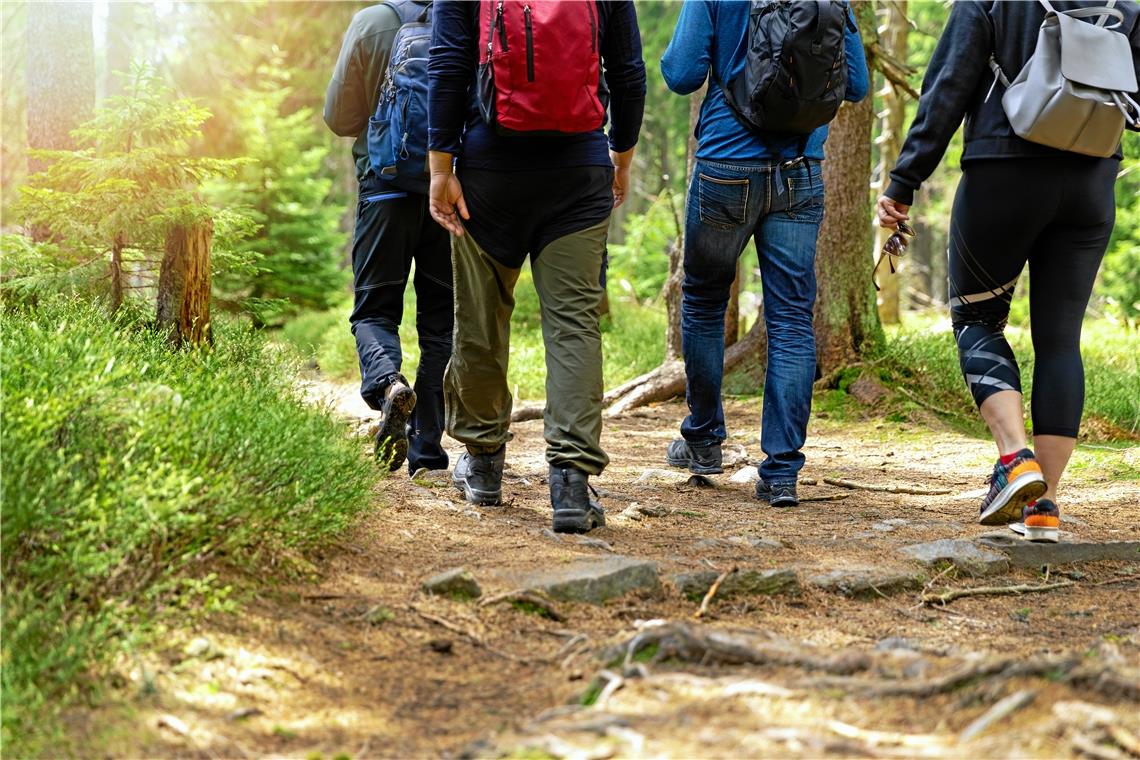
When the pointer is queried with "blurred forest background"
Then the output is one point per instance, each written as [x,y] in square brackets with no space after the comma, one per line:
[135,132]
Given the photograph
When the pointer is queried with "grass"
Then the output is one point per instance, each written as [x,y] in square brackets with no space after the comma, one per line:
[134,476]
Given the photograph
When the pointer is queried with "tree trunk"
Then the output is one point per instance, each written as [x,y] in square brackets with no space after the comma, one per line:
[120,32]
[732,314]
[117,273]
[184,284]
[894,38]
[846,321]
[677,250]
[60,74]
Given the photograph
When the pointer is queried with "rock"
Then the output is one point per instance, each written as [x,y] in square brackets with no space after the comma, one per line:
[741,583]
[967,556]
[440,646]
[745,475]
[174,723]
[650,510]
[1025,554]
[700,481]
[590,579]
[474,514]
[378,615]
[882,526]
[867,391]
[655,476]
[893,643]
[733,454]
[199,647]
[243,713]
[862,581]
[733,542]
[631,513]
[594,543]
[456,583]
[552,535]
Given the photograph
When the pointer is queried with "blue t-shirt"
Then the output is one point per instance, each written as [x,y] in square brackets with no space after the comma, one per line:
[713,32]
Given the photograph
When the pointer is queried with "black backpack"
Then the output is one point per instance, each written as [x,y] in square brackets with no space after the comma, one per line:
[795,72]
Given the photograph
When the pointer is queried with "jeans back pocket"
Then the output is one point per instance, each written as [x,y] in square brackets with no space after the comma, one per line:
[723,202]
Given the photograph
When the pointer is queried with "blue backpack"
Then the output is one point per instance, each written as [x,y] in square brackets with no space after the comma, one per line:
[398,131]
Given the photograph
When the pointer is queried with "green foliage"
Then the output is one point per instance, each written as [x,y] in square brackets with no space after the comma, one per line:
[640,265]
[129,181]
[132,472]
[298,247]
[1119,283]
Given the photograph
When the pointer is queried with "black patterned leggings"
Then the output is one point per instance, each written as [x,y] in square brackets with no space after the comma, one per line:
[1056,213]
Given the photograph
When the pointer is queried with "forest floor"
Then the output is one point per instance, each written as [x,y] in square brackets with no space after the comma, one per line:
[819,643]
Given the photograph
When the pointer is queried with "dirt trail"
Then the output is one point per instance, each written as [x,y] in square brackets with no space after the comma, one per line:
[364,664]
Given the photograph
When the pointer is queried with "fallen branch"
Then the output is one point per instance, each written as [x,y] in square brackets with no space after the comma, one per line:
[958,593]
[829,497]
[469,635]
[526,597]
[715,587]
[528,412]
[1003,669]
[854,485]
[1000,711]
[922,402]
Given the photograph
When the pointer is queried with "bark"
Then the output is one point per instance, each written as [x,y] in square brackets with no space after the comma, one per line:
[60,74]
[184,284]
[117,273]
[846,321]
[894,39]
[732,314]
[120,32]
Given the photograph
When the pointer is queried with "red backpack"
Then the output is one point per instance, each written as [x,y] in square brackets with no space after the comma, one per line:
[539,66]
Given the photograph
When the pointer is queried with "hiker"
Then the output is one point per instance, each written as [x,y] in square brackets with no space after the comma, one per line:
[1039,191]
[520,166]
[393,227]
[757,175]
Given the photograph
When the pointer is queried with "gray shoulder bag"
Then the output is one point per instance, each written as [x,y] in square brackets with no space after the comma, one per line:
[1073,92]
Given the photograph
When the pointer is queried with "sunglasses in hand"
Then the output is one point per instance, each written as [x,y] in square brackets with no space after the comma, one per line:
[894,247]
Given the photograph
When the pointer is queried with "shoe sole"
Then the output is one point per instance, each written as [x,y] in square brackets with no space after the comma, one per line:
[478,497]
[696,469]
[1037,534]
[1006,508]
[393,431]
[578,521]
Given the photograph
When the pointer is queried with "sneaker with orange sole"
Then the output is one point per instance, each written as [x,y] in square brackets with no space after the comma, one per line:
[1012,486]
[1040,522]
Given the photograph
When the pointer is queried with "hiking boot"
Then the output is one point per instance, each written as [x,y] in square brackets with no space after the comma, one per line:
[574,510]
[1040,522]
[777,494]
[701,460]
[480,477]
[1012,486]
[392,437]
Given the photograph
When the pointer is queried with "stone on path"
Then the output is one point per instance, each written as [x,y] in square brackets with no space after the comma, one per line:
[863,581]
[733,454]
[593,543]
[658,477]
[967,556]
[735,542]
[456,583]
[590,579]
[432,478]
[696,584]
[745,475]
[1023,553]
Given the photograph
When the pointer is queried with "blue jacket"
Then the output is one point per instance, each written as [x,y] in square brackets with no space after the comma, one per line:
[713,32]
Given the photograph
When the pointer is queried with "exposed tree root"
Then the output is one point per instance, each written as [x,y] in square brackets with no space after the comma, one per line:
[534,599]
[712,592]
[527,412]
[714,646]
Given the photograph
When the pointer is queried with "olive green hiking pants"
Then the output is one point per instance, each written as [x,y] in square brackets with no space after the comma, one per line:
[567,276]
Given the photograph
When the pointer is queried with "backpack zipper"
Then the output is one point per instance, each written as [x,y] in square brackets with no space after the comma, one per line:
[529,45]
[502,25]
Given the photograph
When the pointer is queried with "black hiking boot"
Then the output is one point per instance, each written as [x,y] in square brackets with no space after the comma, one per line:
[392,437]
[480,477]
[701,460]
[777,494]
[574,510]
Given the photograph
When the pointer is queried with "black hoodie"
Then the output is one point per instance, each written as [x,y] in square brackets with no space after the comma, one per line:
[959,78]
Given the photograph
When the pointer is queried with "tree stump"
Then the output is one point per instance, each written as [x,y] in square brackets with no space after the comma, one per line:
[184,284]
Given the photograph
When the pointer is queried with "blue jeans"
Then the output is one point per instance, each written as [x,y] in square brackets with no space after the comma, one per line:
[782,208]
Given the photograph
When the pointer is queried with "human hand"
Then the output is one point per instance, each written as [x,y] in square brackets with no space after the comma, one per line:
[890,212]
[622,162]
[445,198]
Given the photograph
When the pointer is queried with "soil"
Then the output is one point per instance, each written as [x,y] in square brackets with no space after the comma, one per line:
[363,663]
